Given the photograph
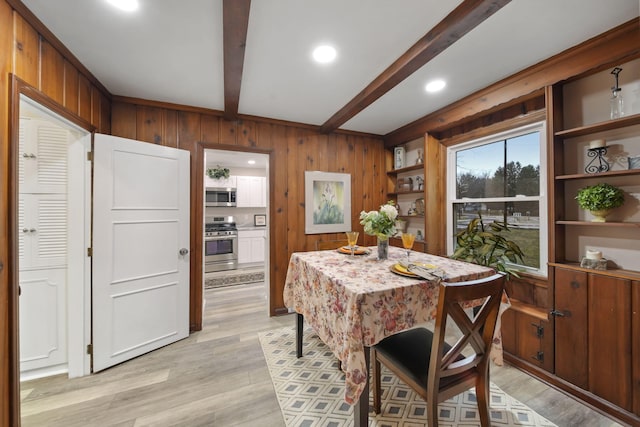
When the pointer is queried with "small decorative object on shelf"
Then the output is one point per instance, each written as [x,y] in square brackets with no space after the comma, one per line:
[419,236]
[598,162]
[398,157]
[599,199]
[593,259]
[404,184]
[617,104]
[419,181]
[218,172]
[420,206]
[420,159]
[634,162]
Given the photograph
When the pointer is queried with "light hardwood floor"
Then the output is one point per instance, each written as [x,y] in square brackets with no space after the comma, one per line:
[218,377]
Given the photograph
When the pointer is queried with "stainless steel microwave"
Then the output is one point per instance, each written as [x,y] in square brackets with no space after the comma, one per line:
[220,197]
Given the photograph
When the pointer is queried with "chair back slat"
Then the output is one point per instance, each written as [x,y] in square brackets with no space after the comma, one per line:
[476,331]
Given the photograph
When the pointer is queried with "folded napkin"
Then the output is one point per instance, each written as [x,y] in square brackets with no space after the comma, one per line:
[425,272]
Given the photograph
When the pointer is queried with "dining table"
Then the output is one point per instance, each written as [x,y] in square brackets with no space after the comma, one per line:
[352,302]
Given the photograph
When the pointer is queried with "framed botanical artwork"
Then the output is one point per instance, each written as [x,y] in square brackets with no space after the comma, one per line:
[260,220]
[327,198]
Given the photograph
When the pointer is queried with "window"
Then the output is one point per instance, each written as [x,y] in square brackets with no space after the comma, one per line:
[503,178]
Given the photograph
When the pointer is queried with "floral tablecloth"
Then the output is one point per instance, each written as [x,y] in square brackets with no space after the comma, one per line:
[353,302]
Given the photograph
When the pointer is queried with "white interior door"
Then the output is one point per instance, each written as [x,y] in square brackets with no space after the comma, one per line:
[140,235]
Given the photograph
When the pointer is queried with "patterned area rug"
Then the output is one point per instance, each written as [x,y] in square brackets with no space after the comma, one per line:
[233,277]
[310,391]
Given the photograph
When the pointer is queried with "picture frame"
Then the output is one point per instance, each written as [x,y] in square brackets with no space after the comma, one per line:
[634,162]
[327,197]
[260,220]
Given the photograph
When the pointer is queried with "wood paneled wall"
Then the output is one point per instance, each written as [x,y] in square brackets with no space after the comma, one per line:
[29,51]
[292,149]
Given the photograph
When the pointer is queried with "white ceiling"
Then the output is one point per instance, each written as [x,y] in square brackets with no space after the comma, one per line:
[171,51]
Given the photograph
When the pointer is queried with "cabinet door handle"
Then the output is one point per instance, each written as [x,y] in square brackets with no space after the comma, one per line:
[557,313]
[32,230]
[25,230]
[183,251]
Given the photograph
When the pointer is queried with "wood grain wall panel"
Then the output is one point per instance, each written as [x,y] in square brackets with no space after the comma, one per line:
[95,106]
[149,124]
[105,114]
[9,385]
[228,132]
[70,87]
[170,130]
[84,98]
[26,52]
[52,72]
[246,133]
[278,244]
[189,130]
[210,129]
[123,120]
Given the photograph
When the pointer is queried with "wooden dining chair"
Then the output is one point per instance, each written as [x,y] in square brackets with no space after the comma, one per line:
[322,245]
[436,370]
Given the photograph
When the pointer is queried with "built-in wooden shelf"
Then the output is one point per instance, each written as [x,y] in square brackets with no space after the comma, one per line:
[407,169]
[600,127]
[601,224]
[600,175]
[612,272]
[410,216]
[529,309]
[400,193]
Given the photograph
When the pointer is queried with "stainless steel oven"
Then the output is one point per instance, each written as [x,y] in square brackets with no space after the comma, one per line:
[220,245]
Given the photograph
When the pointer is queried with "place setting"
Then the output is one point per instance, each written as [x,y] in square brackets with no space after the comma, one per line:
[418,270]
[353,248]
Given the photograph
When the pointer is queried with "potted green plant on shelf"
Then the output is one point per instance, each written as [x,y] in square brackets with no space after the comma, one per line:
[600,199]
[484,245]
[218,172]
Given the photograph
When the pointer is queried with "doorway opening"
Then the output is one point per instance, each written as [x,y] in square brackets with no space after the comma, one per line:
[236,249]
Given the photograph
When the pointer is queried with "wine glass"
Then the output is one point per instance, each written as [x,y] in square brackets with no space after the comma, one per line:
[352,239]
[407,242]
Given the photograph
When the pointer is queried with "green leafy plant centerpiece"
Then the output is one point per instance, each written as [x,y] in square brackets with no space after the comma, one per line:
[218,172]
[600,199]
[484,245]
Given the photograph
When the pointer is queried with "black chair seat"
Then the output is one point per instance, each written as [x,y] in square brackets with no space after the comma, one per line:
[409,350]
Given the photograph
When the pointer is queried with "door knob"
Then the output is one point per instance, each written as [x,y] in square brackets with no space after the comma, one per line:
[183,251]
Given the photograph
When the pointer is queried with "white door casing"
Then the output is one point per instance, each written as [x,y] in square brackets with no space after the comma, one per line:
[140,224]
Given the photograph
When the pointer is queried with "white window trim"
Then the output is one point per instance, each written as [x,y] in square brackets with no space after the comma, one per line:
[542,198]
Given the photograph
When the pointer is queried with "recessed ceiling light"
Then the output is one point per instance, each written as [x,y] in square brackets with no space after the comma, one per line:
[251,162]
[324,54]
[435,86]
[126,5]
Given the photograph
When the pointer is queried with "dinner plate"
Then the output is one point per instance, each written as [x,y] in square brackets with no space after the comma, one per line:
[402,270]
[358,251]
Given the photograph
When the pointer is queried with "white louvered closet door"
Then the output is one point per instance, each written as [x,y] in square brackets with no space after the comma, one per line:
[42,222]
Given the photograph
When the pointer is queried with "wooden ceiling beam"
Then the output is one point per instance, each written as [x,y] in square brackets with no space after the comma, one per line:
[235,22]
[464,18]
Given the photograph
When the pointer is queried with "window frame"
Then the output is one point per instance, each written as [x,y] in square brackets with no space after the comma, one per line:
[542,198]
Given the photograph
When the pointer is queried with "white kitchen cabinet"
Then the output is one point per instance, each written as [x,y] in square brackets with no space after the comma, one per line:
[251,246]
[219,183]
[251,191]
